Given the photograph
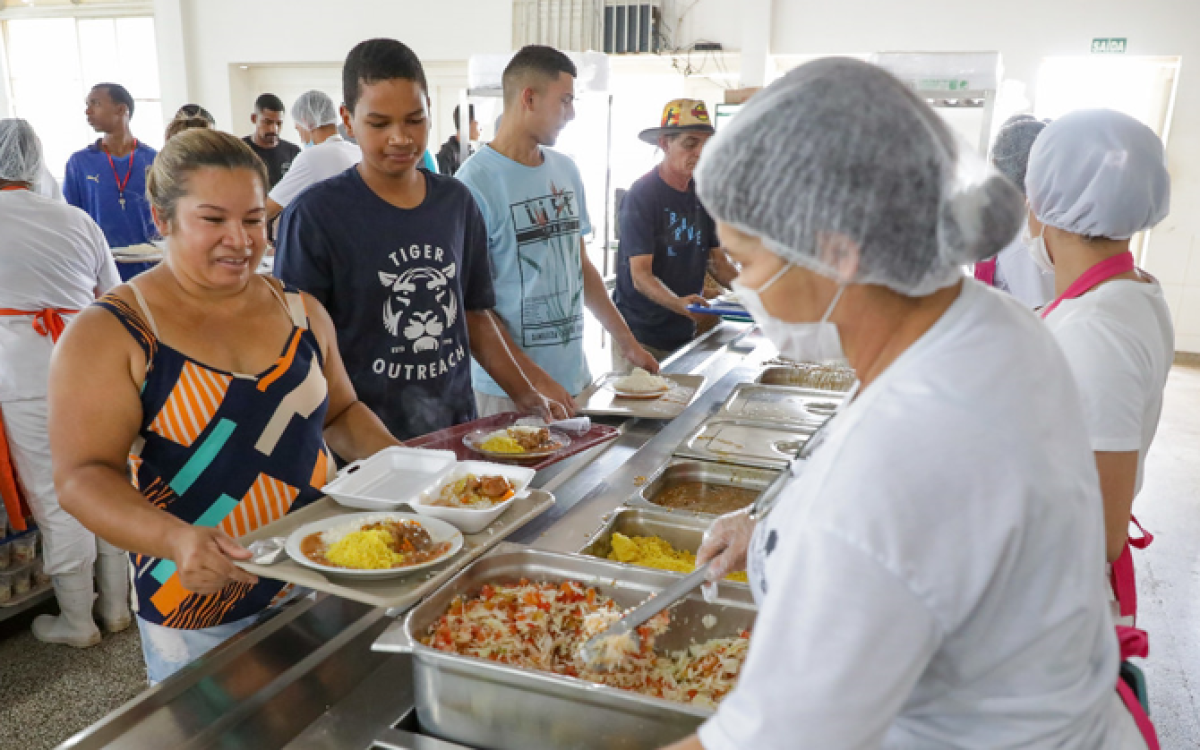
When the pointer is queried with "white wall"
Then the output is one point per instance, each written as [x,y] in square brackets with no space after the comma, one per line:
[1025,32]
[221,35]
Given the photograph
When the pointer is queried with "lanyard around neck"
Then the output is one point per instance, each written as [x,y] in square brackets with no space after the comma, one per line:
[1097,274]
[121,184]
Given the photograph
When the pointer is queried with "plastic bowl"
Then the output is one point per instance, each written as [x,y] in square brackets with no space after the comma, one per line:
[473,520]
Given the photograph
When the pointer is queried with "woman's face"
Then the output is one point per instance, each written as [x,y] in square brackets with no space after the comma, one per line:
[798,296]
[219,233]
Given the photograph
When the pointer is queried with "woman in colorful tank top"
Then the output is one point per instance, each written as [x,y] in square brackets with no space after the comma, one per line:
[216,389]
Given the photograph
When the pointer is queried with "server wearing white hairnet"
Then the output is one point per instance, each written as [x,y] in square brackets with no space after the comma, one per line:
[325,152]
[54,261]
[929,577]
[1012,270]
[1096,178]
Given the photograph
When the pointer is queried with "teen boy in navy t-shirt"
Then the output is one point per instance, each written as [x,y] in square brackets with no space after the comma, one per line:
[399,258]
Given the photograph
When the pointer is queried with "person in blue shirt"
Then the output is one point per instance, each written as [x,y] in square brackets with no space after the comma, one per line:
[398,255]
[668,241]
[108,178]
[533,201]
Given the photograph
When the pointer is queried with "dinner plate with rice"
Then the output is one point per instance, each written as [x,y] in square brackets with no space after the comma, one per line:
[374,545]
[638,384]
[517,443]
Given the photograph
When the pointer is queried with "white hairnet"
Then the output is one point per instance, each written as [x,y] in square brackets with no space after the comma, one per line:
[1014,142]
[840,147]
[314,109]
[1099,173]
[20,152]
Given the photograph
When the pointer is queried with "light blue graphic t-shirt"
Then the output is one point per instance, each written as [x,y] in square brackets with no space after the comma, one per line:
[535,218]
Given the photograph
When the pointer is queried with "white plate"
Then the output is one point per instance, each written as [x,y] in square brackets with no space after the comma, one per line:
[474,520]
[389,478]
[610,382]
[475,439]
[439,531]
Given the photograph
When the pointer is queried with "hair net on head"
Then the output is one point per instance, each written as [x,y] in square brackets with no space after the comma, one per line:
[314,109]
[1010,152]
[840,147]
[1099,173]
[20,152]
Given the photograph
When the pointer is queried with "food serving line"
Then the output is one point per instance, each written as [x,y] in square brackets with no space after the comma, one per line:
[331,672]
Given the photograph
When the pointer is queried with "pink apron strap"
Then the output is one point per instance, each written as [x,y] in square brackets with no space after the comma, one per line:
[1124,581]
[1134,642]
[1097,274]
[985,271]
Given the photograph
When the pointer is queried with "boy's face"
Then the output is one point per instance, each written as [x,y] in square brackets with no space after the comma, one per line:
[552,108]
[391,123]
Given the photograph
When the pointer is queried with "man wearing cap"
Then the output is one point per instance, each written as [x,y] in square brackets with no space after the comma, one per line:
[668,241]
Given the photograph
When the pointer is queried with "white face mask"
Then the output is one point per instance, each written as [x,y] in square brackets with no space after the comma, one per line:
[1039,253]
[802,342]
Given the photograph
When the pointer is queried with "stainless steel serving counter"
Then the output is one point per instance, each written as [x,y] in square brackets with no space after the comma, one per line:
[307,678]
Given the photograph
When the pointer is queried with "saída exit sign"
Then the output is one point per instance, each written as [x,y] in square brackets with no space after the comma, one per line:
[1109,45]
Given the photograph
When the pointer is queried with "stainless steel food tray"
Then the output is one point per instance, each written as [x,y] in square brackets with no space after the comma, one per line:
[683,531]
[692,470]
[817,377]
[766,445]
[773,403]
[482,703]
[396,593]
[599,400]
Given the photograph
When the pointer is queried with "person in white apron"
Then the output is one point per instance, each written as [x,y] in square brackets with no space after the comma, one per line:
[1096,178]
[54,261]
[931,577]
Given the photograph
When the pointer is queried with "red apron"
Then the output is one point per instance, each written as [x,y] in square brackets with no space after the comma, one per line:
[985,271]
[47,323]
[1124,583]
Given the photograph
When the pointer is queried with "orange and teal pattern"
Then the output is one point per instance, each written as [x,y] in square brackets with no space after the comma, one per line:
[224,450]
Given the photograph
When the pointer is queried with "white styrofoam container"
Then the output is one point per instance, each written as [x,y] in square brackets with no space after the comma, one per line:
[473,520]
[389,478]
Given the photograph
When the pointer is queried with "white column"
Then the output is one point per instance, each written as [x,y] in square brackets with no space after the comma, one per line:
[172,55]
[6,109]
[756,41]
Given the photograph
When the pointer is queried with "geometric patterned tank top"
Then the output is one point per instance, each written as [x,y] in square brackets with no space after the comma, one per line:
[224,450]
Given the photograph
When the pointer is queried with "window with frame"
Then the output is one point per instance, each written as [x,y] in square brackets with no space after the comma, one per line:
[53,62]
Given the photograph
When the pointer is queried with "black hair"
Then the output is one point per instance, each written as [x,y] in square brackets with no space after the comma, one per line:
[268,102]
[470,111]
[195,110]
[119,94]
[537,60]
[379,60]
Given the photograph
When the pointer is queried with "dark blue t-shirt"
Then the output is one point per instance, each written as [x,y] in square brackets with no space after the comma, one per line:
[658,220]
[397,284]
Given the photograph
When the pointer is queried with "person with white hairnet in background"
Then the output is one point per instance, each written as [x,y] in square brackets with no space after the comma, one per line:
[1096,178]
[1013,270]
[54,261]
[325,154]
[928,577]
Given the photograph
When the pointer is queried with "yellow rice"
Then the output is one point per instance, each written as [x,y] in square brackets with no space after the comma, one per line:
[501,444]
[365,550]
[656,552]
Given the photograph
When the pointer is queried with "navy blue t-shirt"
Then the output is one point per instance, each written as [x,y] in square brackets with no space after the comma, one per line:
[656,219]
[397,284]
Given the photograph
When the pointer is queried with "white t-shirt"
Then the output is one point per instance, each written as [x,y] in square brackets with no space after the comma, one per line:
[933,578]
[1017,274]
[320,162]
[1120,344]
[51,256]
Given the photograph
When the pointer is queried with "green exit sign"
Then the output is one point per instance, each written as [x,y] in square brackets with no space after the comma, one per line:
[1109,46]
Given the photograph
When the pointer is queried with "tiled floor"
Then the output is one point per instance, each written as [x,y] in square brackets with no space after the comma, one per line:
[48,693]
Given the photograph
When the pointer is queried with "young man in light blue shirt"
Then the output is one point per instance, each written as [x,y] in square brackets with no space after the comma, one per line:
[532,200]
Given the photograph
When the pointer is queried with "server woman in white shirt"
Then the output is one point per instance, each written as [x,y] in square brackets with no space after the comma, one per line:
[1095,179]
[54,261]
[930,577]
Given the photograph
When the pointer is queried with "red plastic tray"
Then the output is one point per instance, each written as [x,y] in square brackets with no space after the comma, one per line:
[451,439]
